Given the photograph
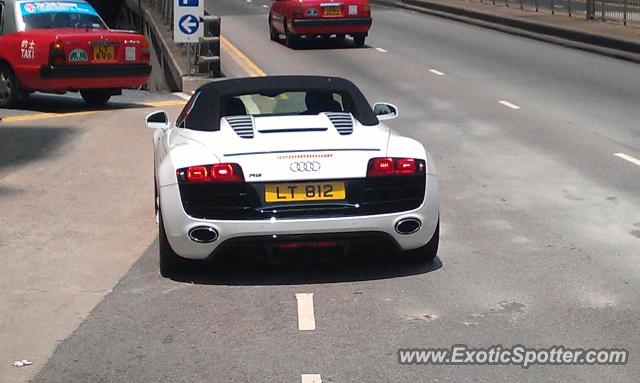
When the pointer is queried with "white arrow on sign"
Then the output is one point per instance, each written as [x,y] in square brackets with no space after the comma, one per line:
[189,24]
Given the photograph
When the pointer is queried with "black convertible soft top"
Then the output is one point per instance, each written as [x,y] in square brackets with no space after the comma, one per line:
[203,111]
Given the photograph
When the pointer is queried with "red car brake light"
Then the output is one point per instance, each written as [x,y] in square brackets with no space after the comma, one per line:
[56,53]
[297,12]
[366,10]
[384,166]
[228,172]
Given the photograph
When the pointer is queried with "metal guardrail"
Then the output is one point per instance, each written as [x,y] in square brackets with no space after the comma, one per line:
[625,11]
[206,53]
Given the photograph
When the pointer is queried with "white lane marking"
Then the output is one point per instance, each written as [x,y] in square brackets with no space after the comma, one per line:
[436,72]
[381,50]
[306,319]
[627,157]
[182,95]
[265,6]
[509,105]
[311,378]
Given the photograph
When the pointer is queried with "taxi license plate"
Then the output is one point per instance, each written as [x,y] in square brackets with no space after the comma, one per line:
[332,11]
[104,53]
[308,191]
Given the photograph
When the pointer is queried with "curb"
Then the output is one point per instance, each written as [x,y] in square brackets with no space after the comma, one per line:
[604,45]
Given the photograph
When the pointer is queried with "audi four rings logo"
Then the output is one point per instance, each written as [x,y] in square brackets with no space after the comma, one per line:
[304,166]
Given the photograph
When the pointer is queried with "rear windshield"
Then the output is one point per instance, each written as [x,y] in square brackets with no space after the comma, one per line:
[55,14]
[284,103]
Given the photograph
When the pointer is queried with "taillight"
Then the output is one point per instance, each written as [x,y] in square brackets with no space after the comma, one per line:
[366,11]
[56,53]
[297,12]
[211,173]
[384,166]
[146,54]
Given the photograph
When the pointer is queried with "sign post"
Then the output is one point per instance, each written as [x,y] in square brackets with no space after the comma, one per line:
[187,27]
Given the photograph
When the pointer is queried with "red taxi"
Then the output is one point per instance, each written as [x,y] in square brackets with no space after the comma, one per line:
[60,46]
[311,18]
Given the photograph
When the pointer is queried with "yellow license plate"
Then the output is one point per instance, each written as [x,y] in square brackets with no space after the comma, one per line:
[104,53]
[308,191]
[332,11]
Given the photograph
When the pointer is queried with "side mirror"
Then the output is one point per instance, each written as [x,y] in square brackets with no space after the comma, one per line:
[385,111]
[158,120]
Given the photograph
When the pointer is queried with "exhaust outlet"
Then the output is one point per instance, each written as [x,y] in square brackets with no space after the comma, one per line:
[408,226]
[203,234]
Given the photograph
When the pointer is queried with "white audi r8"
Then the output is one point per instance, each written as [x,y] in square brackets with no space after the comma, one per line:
[286,163]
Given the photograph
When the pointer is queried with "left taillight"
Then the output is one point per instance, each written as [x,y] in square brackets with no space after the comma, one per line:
[228,172]
[385,166]
[56,53]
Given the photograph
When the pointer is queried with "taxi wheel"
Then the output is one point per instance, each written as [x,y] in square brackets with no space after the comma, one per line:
[358,40]
[95,97]
[9,88]
[290,39]
[426,253]
[273,34]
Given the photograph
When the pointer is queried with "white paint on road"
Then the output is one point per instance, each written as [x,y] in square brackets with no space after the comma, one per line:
[183,96]
[311,378]
[436,72]
[265,6]
[381,50]
[509,105]
[306,318]
[627,157]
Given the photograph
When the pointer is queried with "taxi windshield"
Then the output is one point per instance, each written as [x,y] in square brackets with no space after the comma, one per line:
[59,14]
[62,20]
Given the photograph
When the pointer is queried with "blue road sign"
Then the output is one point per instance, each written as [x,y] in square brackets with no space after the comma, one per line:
[188,3]
[188,24]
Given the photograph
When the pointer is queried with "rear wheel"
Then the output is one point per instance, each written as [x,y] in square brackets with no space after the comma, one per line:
[358,40]
[426,253]
[170,262]
[290,39]
[273,34]
[9,88]
[96,97]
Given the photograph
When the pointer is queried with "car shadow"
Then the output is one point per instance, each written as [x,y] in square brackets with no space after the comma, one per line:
[19,145]
[51,103]
[327,44]
[354,268]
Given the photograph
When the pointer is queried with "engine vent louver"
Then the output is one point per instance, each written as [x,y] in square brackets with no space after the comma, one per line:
[342,121]
[242,125]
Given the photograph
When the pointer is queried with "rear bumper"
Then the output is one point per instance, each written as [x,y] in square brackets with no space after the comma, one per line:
[332,22]
[94,71]
[178,223]
[331,25]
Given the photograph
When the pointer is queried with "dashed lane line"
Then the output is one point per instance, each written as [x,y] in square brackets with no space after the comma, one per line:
[509,105]
[436,72]
[381,50]
[628,158]
[311,378]
[306,319]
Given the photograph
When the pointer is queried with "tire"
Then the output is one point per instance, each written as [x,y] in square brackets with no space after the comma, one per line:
[10,93]
[290,40]
[358,40]
[96,97]
[170,262]
[426,253]
[273,34]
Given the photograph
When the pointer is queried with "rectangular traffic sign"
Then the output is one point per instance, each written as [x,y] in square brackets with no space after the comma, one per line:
[187,27]
[188,3]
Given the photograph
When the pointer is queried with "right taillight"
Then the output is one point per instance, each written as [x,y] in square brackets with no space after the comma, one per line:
[366,11]
[228,172]
[56,53]
[385,166]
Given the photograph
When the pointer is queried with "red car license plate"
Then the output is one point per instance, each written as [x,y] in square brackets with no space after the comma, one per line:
[332,11]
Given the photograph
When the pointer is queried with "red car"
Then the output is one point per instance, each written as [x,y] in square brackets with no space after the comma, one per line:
[312,18]
[59,46]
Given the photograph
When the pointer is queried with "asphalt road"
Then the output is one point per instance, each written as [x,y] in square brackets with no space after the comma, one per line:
[540,226]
